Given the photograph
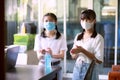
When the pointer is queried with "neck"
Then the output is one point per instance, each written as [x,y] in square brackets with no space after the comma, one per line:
[50,34]
[90,31]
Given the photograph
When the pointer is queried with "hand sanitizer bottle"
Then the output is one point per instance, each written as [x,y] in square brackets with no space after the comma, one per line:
[48,67]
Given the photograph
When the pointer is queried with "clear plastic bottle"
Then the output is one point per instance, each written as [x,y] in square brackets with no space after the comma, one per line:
[48,67]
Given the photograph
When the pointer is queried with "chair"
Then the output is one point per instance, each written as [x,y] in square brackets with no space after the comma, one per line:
[115,73]
[11,56]
[88,75]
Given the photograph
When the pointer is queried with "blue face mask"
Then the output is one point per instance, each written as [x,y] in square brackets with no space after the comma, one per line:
[49,26]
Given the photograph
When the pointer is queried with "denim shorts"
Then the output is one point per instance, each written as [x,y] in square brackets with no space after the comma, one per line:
[80,70]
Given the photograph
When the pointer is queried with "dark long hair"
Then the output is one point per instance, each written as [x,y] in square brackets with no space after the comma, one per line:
[90,15]
[55,18]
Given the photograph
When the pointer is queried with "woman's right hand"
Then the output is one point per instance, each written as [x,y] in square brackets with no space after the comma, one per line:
[42,51]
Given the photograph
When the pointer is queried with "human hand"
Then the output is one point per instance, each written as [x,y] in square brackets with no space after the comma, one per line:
[76,50]
[48,50]
[42,51]
[98,61]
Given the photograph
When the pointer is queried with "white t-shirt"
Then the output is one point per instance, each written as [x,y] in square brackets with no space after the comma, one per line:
[56,45]
[93,45]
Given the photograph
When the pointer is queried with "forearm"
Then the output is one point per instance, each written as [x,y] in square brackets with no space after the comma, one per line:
[91,56]
[59,55]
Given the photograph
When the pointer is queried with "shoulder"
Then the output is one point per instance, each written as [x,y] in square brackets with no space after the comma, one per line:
[38,36]
[78,34]
[99,37]
[62,35]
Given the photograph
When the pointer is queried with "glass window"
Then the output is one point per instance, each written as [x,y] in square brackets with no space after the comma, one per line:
[106,10]
[16,12]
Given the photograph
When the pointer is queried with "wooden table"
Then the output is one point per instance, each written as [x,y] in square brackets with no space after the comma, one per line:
[31,72]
